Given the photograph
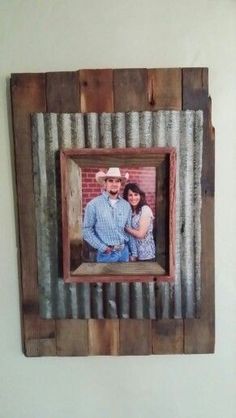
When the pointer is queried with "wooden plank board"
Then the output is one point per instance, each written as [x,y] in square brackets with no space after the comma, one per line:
[168,336]
[199,333]
[130,93]
[62,92]
[130,90]
[165,89]
[162,211]
[96,90]
[28,95]
[72,337]
[97,96]
[121,269]
[135,337]
[63,96]
[165,92]
[103,337]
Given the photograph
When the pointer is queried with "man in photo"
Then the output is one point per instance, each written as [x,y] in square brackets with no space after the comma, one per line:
[105,219]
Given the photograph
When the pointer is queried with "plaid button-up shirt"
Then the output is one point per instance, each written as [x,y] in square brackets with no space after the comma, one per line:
[104,224]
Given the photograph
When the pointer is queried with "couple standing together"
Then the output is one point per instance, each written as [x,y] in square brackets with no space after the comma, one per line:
[119,228]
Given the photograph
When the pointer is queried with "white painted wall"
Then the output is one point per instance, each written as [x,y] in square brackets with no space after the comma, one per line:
[48,35]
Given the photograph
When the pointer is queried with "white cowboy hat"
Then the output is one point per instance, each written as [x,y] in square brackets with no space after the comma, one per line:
[111,172]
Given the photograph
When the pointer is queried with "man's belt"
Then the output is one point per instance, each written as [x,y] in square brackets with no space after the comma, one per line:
[118,247]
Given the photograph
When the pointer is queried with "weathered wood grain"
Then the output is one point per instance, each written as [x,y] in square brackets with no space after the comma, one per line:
[129,152]
[28,95]
[165,92]
[195,88]
[130,90]
[172,214]
[64,216]
[165,89]
[199,333]
[96,90]
[72,337]
[75,213]
[135,337]
[63,95]
[120,160]
[168,336]
[62,92]
[103,337]
[161,220]
[120,269]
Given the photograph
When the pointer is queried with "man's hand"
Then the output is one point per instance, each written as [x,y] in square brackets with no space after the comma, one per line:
[108,250]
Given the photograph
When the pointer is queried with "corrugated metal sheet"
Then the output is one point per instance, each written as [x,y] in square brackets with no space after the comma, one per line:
[181,129]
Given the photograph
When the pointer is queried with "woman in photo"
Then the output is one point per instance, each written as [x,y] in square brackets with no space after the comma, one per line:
[142,222]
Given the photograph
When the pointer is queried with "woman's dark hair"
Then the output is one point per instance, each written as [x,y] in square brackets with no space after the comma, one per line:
[135,189]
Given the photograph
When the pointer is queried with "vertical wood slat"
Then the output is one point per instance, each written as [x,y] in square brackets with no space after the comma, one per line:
[28,95]
[63,95]
[96,90]
[103,337]
[199,333]
[168,336]
[130,90]
[130,93]
[97,96]
[135,337]
[162,219]
[72,337]
[165,89]
[62,92]
[165,92]
[75,214]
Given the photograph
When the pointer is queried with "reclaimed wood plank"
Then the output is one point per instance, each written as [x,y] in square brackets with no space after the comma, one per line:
[172,213]
[135,337]
[165,92]
[62,92]
[161,221]
[97,96]
[96,90]
[28,95]
[199,332]
[72,337]
[63,95]
[165,89]
[195,88]
[168,336]
[130,90]
[121,269]
[103,337]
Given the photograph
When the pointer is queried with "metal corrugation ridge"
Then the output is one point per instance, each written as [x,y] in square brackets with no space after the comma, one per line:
[181,129]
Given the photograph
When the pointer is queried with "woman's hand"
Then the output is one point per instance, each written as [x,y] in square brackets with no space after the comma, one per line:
[141,232]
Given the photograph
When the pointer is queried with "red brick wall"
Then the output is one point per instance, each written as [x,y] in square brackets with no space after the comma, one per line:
[145,177]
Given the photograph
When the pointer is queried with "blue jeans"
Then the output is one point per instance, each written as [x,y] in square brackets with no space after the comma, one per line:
[121,256]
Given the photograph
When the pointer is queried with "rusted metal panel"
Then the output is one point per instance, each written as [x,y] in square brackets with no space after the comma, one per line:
[181,129]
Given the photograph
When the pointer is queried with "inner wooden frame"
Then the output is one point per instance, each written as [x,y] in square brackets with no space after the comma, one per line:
[71,160]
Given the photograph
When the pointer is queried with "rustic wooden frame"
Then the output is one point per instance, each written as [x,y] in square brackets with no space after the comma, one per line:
[121,272]
[108,91]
